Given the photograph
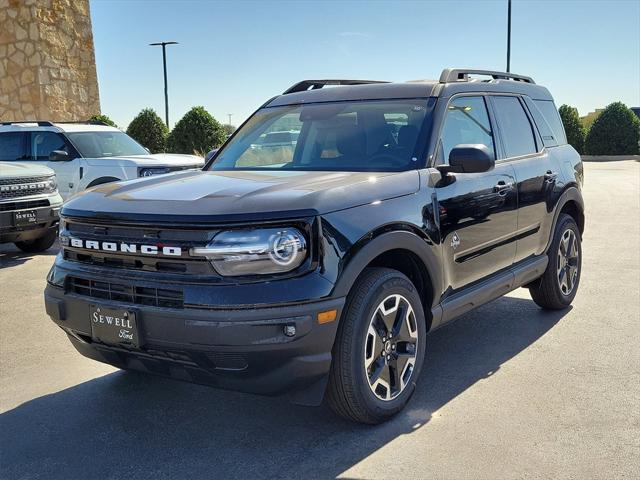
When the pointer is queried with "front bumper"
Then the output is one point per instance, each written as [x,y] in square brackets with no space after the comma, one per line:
[47,211]
[242,349]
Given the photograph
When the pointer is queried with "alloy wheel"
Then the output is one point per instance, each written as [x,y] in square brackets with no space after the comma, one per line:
[390,347]
[568,262]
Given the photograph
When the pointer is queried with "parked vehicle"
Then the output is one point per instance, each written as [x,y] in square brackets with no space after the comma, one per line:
[326,269]
[277,139]
[210,155]
[29,206]
[84,155]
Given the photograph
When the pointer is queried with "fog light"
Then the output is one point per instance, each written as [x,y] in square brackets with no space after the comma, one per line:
[290,330]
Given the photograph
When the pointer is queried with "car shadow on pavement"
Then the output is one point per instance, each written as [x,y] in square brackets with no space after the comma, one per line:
[126,425]
[11,256]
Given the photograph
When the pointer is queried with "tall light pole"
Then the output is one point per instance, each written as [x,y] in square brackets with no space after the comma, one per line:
[164,64]
[229,118]
[509,37]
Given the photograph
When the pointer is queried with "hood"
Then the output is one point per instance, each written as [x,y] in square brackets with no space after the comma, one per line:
[150,160]
[13,170]
[220,196]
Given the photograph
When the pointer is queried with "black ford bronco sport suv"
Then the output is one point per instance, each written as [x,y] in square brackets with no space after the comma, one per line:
[318,266]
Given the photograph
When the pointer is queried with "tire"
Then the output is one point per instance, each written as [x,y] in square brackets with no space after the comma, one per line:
[350,393]
[550,291]
[40,244]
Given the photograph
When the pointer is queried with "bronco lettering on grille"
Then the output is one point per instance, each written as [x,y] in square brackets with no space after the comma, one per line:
[123,247]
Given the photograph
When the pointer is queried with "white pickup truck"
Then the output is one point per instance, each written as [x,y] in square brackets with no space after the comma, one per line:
[84,155]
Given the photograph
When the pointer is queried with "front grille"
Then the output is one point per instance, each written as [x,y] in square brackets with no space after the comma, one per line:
[24,187]
[185,238]
[20,180]
[154,297]
[146,264]
[137,233]
[7,207]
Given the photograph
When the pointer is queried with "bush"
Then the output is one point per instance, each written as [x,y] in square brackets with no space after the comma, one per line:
[197,132]
[616,131]
[149,130]
[103,119]
[573,127]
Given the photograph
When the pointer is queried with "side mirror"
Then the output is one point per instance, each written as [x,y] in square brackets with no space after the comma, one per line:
[148,151]
[211,154]
[469,158]
[59,156]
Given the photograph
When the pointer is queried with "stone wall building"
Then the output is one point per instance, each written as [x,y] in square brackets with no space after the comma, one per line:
[47,61]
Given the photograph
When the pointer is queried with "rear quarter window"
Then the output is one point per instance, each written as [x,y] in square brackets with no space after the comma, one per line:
[550,114]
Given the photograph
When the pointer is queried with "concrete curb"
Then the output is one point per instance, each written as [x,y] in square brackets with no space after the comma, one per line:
[609,158]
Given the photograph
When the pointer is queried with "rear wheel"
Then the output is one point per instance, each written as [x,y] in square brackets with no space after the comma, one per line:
[558,286]
[379,350]
[39,244]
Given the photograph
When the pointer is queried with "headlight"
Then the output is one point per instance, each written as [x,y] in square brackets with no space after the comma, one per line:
[255,252]
[52,185]
[147,172]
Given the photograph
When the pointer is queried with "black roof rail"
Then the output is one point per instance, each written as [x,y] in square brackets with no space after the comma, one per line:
[87,122]
[316,84]
[46,123]
[40,123]
[449,75]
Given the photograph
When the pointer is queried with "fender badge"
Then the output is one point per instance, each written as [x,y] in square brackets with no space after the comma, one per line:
[455,240]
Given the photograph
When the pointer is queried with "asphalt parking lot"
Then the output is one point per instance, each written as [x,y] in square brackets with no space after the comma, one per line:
[508,391]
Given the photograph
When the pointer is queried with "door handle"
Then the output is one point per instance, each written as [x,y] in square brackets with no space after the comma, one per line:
[502,187]
[550,176]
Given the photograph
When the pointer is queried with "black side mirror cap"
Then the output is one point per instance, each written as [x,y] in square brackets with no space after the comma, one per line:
[469,158]
[59,156]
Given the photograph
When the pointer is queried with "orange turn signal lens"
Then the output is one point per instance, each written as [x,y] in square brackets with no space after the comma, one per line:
[328,316]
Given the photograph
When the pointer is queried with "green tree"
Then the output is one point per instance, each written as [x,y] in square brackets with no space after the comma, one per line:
[616,131]
[573,127]
[228,129]
[102,118]
[149,130]
[197,132]
[589,118]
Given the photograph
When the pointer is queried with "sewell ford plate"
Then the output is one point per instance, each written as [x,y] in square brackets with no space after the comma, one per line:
[25,217]
[114,326]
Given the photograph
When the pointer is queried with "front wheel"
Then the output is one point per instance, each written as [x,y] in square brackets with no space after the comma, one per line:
[558,286]
[379,350]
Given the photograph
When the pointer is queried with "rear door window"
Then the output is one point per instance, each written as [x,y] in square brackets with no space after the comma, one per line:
[515,128]
[13,147]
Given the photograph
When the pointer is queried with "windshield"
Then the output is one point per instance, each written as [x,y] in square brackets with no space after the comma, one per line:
[105,144]
[378,135]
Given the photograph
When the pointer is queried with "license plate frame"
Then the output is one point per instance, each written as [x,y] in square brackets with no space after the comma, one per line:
[114,326]
[22,218]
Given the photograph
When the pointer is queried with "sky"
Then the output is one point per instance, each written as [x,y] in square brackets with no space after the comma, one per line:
[233,56]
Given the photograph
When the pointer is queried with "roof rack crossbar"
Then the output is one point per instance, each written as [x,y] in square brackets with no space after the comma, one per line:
[449,75]
[40,123]
[316,84]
